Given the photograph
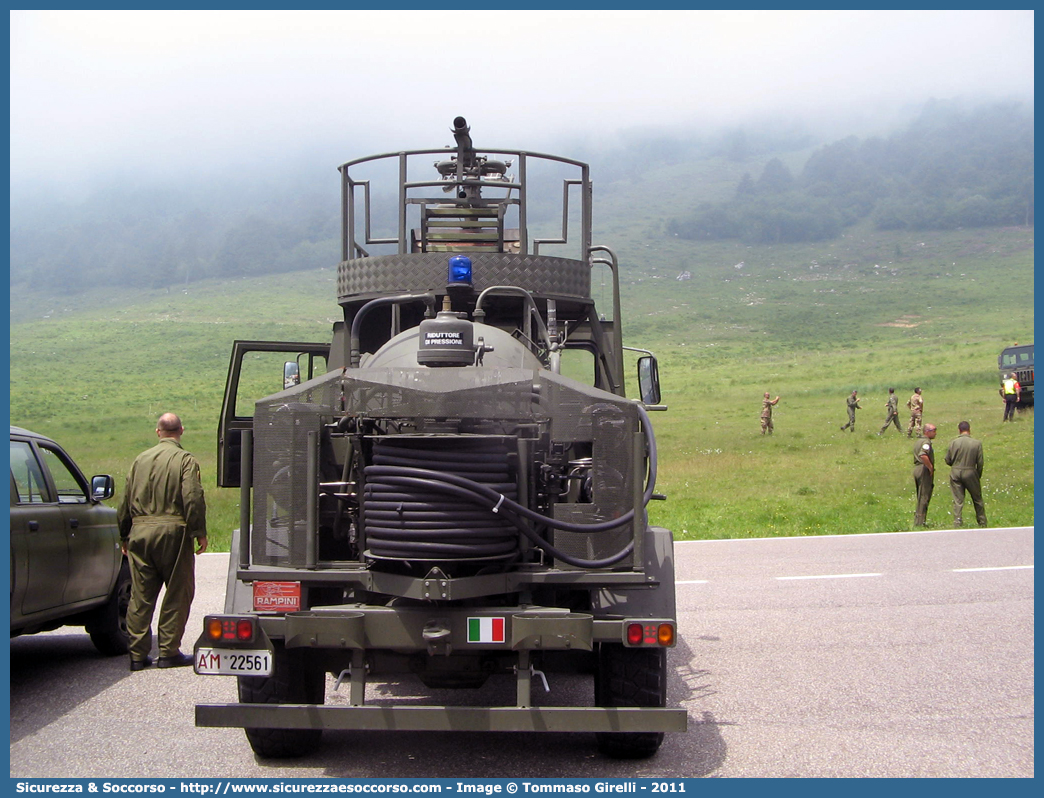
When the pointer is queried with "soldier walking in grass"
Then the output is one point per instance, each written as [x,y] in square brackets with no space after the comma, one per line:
[916,405]
[853,405]
[766,413]
[964,456]
[924,473]
[891,412]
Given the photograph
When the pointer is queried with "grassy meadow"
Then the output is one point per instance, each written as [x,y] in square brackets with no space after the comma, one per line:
[808,322]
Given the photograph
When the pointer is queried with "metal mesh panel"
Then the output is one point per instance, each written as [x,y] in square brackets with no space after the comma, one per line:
[417,272]
[281,486]
[488,400]
[500,394]
[610,425]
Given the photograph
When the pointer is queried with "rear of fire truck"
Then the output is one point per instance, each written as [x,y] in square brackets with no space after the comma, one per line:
[454,489]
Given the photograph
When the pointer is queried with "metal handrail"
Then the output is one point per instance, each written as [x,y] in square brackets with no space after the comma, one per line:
[351,249]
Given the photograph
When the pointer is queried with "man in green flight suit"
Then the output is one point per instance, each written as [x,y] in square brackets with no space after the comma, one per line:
[924,473]
[964,456]
[891,412]
[853,405]
[162,510]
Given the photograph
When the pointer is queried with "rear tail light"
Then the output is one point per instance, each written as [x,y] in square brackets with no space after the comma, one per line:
[213,627]
[665,634]
[635,634]
[229,629]
[649,633]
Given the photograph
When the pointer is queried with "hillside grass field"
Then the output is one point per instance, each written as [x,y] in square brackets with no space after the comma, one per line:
[811,323]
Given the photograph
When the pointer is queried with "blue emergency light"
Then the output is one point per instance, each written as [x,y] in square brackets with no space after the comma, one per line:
[460,270]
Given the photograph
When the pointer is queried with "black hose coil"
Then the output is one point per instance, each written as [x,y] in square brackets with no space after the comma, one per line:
[408,483]
[423,522]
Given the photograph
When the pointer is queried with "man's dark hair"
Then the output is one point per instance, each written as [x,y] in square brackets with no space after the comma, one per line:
[964,426]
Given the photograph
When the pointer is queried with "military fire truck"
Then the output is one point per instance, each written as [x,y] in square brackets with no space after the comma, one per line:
[454,489]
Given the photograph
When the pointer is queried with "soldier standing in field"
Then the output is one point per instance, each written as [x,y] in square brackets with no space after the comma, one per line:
[1011,393]
[891,412]
[916,405]
[964,456]
[853,405]
[161,513]
[924,473]
[766,413]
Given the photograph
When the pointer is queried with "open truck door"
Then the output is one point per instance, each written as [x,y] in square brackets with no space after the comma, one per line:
[258,369]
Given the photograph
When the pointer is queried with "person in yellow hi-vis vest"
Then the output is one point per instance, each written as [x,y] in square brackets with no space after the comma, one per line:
[161,511]
[1011,392]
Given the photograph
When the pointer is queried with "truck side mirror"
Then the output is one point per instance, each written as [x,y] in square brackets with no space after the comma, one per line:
[102,487]
[649,380]
[291,374]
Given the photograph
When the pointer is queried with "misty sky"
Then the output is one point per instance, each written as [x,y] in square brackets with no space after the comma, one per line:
[183,89]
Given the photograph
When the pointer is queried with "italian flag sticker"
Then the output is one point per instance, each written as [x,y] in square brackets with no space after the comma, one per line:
[485,630]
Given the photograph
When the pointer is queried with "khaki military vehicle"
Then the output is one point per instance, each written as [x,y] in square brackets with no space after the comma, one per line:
[454,489]
[1018,360]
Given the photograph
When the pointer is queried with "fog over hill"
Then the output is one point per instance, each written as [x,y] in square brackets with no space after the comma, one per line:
[170,92]
[952,166]
[158,147]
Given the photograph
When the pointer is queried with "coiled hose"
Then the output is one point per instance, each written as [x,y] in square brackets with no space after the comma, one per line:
[420,520]
[415,516]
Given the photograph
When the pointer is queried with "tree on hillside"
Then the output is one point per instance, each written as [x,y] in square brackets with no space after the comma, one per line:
[746,186]
[736,147]
[775,178]
[254,246]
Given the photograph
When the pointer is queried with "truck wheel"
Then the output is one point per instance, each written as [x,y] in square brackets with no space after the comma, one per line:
[630,677]
[294,680]
[108,627]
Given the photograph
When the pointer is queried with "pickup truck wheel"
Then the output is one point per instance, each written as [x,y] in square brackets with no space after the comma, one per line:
[630,677]
[108,627]
[294,680]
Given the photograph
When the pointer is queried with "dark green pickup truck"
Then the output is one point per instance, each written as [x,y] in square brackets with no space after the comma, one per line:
[66,565]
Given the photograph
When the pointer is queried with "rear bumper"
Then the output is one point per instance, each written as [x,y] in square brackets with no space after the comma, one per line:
[442,630]
[343,634]
[436,718]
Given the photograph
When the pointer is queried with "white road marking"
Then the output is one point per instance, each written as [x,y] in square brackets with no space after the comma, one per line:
[828,576]
[861,576]
[997,568]
[847,535]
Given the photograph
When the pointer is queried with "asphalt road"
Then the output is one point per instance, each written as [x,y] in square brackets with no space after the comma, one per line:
[897,655]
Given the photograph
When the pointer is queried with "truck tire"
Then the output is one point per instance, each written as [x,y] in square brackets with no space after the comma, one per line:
[630,677]
[294,680]
[108,626]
